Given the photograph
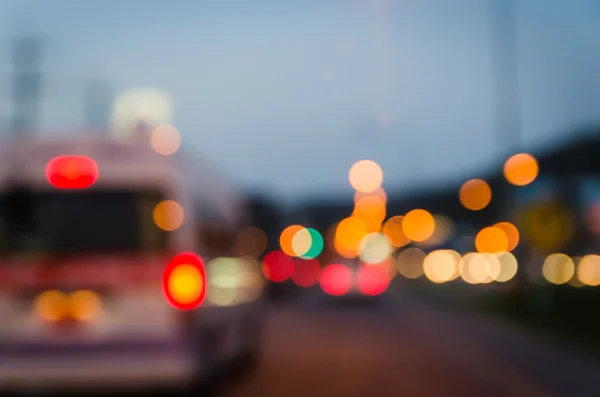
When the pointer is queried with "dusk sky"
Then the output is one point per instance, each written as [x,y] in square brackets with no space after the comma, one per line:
[284,95]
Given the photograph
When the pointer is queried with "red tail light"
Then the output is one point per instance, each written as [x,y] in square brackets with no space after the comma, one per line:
[184,281]
[72,172]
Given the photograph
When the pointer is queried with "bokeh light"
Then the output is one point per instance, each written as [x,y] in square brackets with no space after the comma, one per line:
[410,262]
[373,280]
[511,232]
[392,228]
[521,169]
[316,244]
[491,239]
[168,215]
[85,305]
[349,233]
[375,248]
[365,176]
[508,266]
[306,272]
[336,280]
[558,268]
[225,280]
[588,270]
[286,239]
[150,106]
[186,284]
[277,266]
[475,194]
[165,140]
[547,225]
[301,242]
[441,266]
[371,210]
[418,225]
[476,268]
[52,305]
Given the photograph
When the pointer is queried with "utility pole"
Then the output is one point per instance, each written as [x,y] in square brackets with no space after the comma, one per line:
[505,75]
[27,83]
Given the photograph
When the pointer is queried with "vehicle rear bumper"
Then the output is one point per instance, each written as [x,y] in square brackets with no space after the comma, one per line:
[162,365]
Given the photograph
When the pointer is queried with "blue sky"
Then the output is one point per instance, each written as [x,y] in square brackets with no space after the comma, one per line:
[283,94]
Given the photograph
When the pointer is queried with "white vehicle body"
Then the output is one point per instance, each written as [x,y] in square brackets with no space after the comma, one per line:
[137,339]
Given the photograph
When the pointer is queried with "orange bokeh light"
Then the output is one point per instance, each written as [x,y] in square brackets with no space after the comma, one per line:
[165,140]
[491,239]
[418,225]
[286,237]
[521,169]
[512,233]
[349,233]
[475,194]
[392,228]
[365,176]
[371,210]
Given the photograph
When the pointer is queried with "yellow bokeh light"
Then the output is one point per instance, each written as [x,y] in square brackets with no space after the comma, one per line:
[52,305]
[365,176]
[168,215]
[548,225]
[418,225]
[375,248]
[508,266]
[558,269]
[85,305]
[186,284]
[480,268]
[441,266]
[165,140]
[588,270]
[286,239]
[475,194]
[494,267]
[491,239]
[521,169]
[392,228]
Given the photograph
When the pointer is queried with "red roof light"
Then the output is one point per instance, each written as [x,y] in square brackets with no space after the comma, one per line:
[72,172]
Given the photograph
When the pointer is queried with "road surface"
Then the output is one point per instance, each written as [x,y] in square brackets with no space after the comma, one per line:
[401,347]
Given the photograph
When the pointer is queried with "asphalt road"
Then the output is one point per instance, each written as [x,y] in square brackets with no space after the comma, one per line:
[398,346]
